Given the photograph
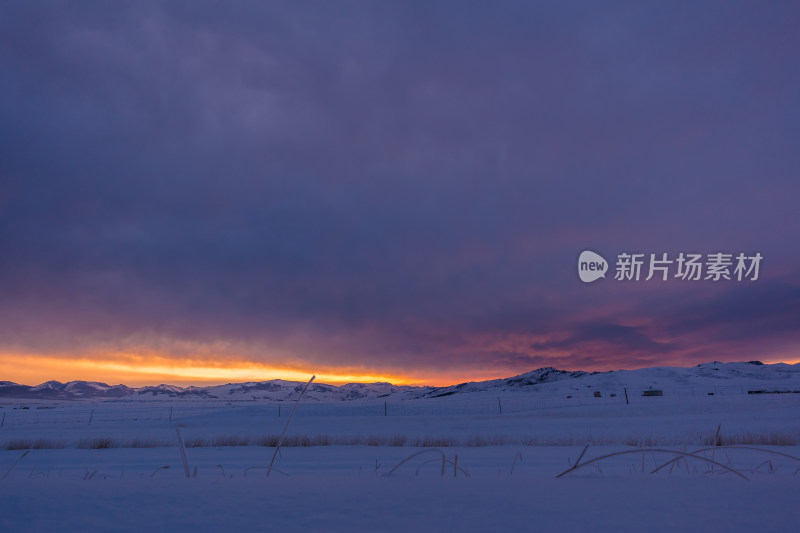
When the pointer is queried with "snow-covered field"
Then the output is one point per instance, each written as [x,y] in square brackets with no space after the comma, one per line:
[336,489]
[91,465]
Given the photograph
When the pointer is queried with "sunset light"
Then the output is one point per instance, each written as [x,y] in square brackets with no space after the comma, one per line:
[472,201]
[152,370]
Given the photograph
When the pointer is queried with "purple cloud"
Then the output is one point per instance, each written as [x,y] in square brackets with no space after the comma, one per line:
[397,185]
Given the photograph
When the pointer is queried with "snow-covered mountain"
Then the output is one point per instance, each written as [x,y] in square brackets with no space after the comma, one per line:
[275,390]
[753,375]
[70,390]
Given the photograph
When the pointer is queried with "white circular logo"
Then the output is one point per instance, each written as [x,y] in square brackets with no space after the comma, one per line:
[591,266]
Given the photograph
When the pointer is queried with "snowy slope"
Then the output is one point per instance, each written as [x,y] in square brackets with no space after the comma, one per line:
[70,390]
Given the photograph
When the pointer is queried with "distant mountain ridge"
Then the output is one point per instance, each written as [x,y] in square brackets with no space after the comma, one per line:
[778,376]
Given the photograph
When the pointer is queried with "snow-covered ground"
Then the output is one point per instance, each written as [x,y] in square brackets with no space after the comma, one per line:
[113,463]
[339,489]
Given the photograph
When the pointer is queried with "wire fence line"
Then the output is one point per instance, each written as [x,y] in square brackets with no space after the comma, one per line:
[30,413]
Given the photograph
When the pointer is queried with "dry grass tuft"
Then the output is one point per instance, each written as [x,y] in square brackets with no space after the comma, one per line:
[99,443]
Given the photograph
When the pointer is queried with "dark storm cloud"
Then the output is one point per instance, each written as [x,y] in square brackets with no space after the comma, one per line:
[626,339]
[769,310]
[399,184]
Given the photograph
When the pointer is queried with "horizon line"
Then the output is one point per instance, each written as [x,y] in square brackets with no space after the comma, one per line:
[206,383]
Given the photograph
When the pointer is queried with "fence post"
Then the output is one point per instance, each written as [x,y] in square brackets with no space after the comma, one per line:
[626,397]
[384,408]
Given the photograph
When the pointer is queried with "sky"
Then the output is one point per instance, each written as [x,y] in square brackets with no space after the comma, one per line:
[206,192]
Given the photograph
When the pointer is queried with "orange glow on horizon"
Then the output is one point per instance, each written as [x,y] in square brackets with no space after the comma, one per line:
[153,370]
[788,362]
[138,370]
